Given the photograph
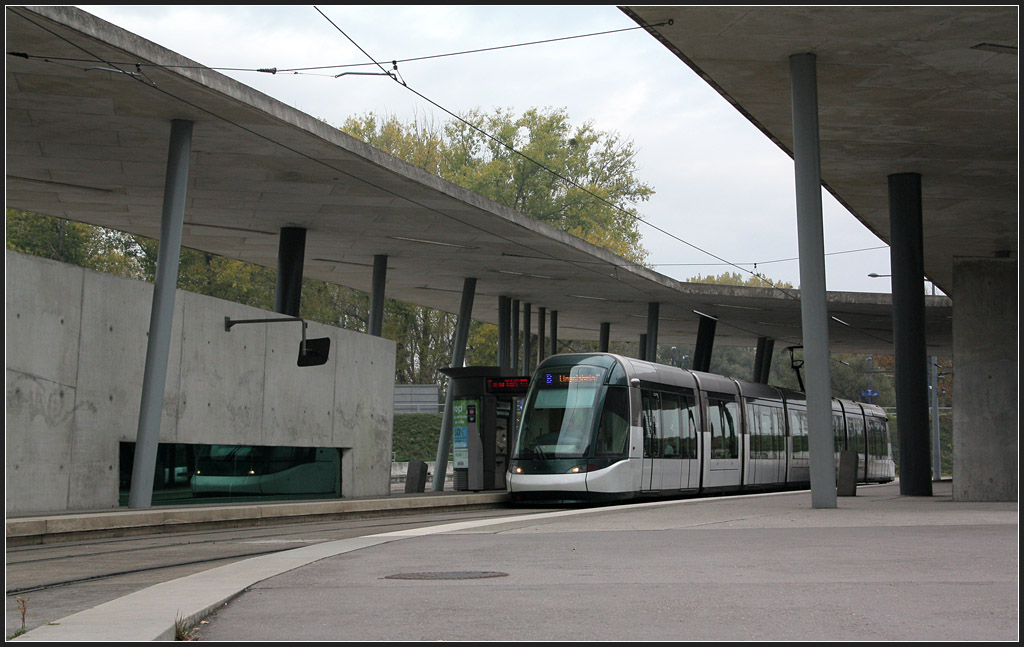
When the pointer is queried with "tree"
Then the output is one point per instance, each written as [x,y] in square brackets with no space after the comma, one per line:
[591,193]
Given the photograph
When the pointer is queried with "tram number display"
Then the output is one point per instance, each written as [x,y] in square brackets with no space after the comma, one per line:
[555,380]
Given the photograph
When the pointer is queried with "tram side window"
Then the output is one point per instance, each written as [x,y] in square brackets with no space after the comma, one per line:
[765,431]
[613,432]
[722,418]
[754,429]
[876,437]
[798,430]
[837,432]
[856,426]
[671,432]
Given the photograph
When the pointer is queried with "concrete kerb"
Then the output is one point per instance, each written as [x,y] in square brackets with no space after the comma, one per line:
[71,527]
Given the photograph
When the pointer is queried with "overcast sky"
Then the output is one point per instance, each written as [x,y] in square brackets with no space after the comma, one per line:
[719,183]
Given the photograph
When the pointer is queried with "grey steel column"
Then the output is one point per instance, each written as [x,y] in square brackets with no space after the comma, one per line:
[906,258]
[641,349]
[813,301]
[444,441]
[763,359]
[504,333]
[161,317]
[540,335]
[515,337]
[936,433]
[526,338]
[377,298]
[554,332]
[653,309]
[705,343]
[291,250]
[606,330]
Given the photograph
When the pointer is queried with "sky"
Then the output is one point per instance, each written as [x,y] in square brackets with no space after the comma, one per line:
[719,183]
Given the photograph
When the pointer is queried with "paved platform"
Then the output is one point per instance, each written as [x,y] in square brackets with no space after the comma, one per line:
[767,567]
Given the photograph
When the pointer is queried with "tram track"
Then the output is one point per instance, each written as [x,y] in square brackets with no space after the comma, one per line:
[62,578]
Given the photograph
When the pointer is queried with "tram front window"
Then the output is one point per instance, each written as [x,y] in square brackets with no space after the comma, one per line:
[559,417]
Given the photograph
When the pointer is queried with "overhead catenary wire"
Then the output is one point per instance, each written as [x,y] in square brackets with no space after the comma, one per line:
[148,82]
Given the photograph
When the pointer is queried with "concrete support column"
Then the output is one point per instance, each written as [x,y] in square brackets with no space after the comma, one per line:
[906,253]
[605,335]
[763,359]
[291,250]
[515,337]
[705,343]
[554,332]
[380,275]
[813,301]
[652,331]
[540,335]
[161,317]
[444,441]
[641,349]
[986,403]
[504,333]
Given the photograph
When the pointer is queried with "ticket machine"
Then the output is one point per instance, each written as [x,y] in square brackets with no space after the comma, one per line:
[486,406]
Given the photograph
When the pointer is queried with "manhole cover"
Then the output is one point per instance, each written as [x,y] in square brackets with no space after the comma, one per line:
[447,575]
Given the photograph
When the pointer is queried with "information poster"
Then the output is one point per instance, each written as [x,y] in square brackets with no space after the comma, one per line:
[463,422]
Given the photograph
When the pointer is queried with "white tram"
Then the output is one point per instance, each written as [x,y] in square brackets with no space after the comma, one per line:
[605,427]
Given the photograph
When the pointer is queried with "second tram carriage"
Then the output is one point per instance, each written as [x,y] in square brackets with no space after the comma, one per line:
[605,427]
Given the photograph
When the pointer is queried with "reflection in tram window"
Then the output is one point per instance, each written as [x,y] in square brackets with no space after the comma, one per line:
[613,431]
[212,473]
[559,417]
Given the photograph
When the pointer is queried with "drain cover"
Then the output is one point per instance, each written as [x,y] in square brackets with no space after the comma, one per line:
[447,575]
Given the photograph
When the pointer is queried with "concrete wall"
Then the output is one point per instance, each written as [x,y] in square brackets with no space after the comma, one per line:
[76,345]
[985,357]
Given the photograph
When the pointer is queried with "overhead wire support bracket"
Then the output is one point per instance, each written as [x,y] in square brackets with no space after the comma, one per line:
[314,353]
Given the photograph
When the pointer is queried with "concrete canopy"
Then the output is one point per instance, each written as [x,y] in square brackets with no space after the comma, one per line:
[87,137]
[928,90]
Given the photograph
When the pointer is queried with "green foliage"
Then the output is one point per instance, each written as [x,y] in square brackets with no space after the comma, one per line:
[756,280]
[415,436]
[586,163]
[73,242]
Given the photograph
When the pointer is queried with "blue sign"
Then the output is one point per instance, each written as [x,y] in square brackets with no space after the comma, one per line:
[870,393]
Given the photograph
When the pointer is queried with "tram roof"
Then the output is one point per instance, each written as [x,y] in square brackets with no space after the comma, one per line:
[91,146]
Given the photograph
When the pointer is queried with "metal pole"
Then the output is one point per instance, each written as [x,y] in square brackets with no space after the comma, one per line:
[504,333]
[526,338]
[705,343]
[554,332]
[444,441]
[515,337]
[653,309]
[380,275]
[540,335]
[813,300]
[906,257]
[936,435]
[291,250]
[161,317]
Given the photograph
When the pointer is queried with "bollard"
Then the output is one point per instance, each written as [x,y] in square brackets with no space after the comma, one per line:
[416,477]
[846,484]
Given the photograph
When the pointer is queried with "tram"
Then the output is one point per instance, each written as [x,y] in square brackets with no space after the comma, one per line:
[603,427]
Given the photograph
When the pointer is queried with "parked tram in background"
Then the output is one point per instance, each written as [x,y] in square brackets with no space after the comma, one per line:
[602,427]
